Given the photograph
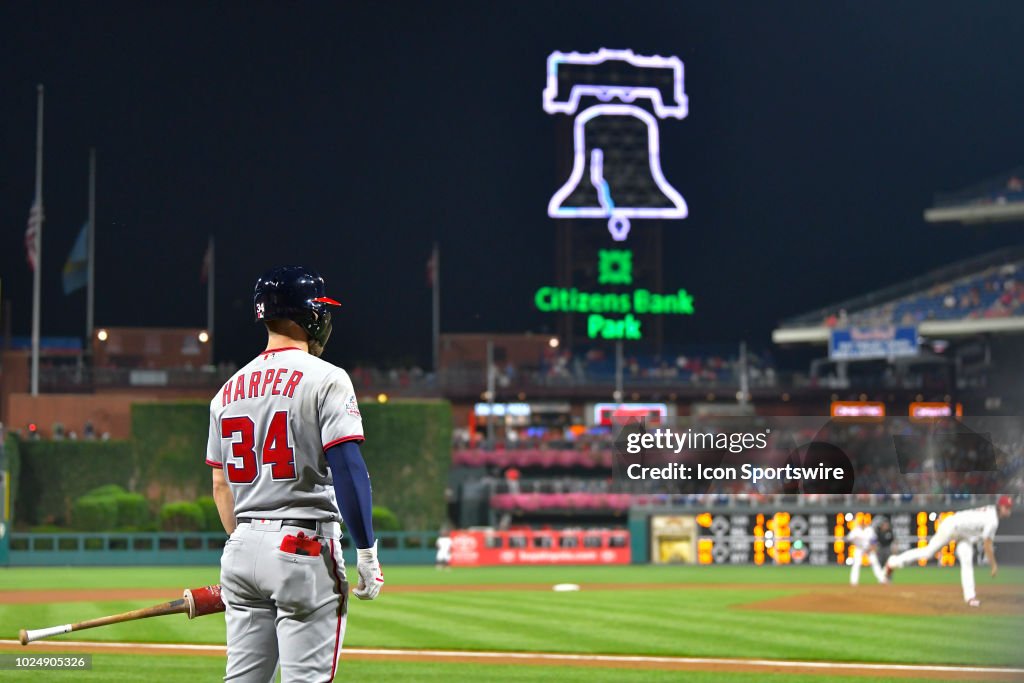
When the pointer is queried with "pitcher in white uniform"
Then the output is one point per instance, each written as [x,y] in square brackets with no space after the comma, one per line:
[966,528]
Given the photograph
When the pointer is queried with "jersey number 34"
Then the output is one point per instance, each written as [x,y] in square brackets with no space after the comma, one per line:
[274,451]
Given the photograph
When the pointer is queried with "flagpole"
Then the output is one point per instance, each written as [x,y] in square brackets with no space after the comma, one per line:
[37,272]
[209,297]
[437,307]
[90,301]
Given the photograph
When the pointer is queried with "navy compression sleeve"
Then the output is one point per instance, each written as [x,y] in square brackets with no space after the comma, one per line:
[352,486]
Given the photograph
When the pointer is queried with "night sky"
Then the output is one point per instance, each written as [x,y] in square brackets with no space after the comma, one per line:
[349,137]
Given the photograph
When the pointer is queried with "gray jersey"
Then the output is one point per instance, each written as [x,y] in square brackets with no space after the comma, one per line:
[269,428]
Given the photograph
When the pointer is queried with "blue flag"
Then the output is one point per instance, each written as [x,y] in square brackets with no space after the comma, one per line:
[76,269]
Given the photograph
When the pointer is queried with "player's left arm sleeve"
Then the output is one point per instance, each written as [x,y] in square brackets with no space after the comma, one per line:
[352,487]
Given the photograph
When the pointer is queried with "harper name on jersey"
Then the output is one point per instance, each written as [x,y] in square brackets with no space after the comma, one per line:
[258,385]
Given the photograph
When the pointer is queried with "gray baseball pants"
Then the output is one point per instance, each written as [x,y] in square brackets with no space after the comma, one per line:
[282,606]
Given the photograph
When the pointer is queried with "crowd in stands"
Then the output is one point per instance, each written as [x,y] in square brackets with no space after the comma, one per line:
[692,367]
[698,367]
[996,292]
[540,478]
[1001,190]
[58,432]
[372,380]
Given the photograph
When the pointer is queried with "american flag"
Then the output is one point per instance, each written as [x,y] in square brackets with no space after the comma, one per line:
[35,220]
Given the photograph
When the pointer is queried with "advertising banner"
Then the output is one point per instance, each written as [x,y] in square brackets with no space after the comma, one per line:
[536,546]
[864,343]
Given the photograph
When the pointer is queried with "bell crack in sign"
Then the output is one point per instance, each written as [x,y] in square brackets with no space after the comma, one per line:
[616,172]
[613,315]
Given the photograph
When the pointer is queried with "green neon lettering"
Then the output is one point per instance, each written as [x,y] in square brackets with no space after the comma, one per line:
[639,301]
[542,300]
[599,326]
[685,302]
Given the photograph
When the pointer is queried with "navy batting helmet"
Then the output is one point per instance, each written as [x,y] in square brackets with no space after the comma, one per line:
[297,294]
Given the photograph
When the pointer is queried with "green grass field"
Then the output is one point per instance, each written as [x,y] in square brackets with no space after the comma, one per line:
[640,618]
[175,669]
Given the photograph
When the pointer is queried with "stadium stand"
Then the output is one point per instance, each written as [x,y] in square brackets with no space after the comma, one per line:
[975,292]
[1000,198]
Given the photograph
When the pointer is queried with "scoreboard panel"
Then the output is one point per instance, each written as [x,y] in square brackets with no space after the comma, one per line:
[805,537]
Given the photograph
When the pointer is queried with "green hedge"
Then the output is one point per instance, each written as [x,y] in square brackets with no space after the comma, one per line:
[12,451]
[110,507]
[385,520]
[132,510]
[105,491]
[182,516]
[408,452]
[54,474]
[169,441]
[210,515]
[94,513]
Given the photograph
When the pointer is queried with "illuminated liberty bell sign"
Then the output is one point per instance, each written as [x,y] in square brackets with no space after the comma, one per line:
[616,171]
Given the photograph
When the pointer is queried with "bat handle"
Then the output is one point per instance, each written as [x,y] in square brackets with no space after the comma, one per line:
[26,636]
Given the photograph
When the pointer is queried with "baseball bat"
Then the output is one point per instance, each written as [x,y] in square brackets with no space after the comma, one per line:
[180,605]
[195,602]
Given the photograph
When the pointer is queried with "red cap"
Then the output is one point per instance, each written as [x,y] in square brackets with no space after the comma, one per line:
[1005,502]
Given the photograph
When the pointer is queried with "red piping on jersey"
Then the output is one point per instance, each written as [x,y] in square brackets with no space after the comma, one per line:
[214,463]
[342,598]
[354,437]
[283,348]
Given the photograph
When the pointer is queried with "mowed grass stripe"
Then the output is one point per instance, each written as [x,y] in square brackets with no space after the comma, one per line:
[180,669]
[485,627]
[551,622]
[701,624]
[638,619]
[177,578]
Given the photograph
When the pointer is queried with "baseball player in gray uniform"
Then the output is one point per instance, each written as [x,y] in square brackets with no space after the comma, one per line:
[284,435]
[965,527]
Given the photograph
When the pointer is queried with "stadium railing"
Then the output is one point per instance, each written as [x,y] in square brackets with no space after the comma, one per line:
[173,549]
[71,379]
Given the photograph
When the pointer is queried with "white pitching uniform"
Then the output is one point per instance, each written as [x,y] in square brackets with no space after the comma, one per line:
[966,528]
[282,573]
[865,542]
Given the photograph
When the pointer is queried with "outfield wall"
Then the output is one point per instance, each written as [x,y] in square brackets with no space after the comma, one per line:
[179,549]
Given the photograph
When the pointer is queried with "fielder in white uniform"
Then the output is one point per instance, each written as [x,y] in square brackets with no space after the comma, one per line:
[443,557]
[283,440]
[864,540]
[966,528]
